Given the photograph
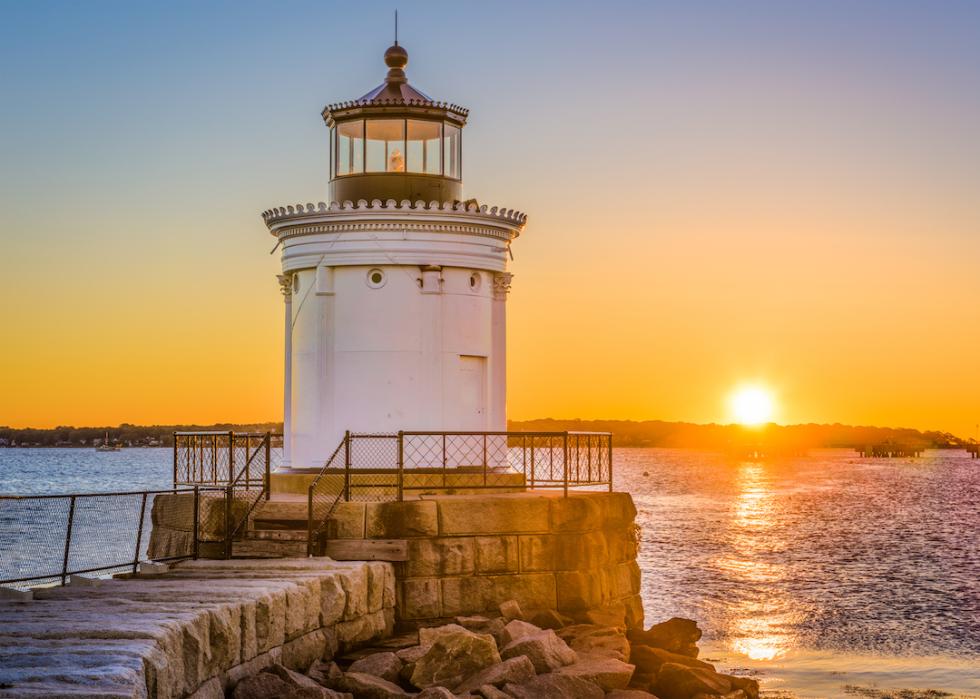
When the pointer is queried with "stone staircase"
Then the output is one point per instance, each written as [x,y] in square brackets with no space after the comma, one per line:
[277,528]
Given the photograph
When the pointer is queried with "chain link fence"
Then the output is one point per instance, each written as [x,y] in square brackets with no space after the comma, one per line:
[44,539]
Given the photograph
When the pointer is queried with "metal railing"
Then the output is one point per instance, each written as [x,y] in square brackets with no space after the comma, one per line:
[44,539]
[384,467]
[218,458]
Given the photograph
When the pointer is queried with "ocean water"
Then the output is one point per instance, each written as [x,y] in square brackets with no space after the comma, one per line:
[823,576]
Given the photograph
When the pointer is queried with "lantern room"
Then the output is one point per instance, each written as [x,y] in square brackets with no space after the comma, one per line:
[395,142]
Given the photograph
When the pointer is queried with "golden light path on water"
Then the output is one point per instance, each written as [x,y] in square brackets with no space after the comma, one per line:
[759,626]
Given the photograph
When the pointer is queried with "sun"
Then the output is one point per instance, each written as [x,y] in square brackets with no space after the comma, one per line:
[752,405]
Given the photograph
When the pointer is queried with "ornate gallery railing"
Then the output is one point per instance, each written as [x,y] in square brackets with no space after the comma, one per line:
[384,467]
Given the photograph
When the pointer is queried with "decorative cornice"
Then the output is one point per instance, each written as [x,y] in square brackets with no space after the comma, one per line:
[388,102]
[350,227]
[284,213]
[501,285]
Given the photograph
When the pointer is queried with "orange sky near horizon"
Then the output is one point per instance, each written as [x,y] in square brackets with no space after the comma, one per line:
[800,213]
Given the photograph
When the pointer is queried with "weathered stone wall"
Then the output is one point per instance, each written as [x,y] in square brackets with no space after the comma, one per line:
[467,554]
[191,631]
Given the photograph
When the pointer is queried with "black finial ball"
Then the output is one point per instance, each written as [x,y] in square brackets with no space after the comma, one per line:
[396,57]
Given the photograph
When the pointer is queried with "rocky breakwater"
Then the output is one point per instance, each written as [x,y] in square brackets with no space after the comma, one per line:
[549,656]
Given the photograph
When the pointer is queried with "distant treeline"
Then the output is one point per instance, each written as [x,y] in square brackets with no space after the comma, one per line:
[125,434]
[628,433]
[657,433]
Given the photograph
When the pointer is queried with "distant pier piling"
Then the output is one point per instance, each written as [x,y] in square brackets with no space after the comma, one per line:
[889,450]
[974,450]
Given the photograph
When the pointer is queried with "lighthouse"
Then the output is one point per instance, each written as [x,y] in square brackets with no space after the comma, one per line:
[396,288]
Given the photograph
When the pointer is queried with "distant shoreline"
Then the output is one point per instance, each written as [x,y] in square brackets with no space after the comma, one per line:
[627,433]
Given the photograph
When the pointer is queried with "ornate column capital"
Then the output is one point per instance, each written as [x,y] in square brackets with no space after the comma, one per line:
[285,285]
[501,285]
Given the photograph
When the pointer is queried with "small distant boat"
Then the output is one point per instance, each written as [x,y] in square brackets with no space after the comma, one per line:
[105,446]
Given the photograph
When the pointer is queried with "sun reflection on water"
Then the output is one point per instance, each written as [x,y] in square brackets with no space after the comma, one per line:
[760,621]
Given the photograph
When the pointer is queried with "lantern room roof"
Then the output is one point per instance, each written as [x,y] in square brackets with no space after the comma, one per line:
[394,97]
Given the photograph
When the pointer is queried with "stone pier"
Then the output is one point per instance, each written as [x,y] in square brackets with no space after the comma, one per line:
[469,553]
[193,630]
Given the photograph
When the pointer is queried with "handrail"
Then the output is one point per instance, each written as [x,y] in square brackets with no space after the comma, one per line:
[231,531]
[311,533]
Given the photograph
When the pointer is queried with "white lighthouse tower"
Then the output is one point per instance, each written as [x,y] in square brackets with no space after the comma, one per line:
[395,292]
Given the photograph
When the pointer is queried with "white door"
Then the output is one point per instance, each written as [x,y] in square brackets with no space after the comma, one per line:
[472,386]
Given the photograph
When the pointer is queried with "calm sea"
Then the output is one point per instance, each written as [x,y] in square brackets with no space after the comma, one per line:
[827,575]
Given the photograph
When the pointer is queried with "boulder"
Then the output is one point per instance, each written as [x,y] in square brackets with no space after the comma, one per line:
[516,670]
[676,635]
[435,693]
[643,680]
[430,634]
[365,686]
[482,624]
[488,691]
[511,610]
[411,654]
[630,694]
[676,681]
[265,685]
[746,684]
[608,673]
[517,629]
[327,674]
[294,679]
[601,641]
[550,619]
[454,657]
[383,665]
[734,694]
[555,686]
[649,660]
[544,649]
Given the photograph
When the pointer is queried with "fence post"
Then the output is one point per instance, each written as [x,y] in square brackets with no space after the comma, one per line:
[71,520]
[248,461]
[565,460]
[309,521]
[401,464]
[484,459]
[139,535]
[524,456]
[231,456]
[268,465]
[175,459]
[195,527]
[610,464]
[347,465]
[229,495]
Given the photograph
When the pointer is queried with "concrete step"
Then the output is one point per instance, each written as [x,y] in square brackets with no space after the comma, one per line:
[262,548]
[277,534]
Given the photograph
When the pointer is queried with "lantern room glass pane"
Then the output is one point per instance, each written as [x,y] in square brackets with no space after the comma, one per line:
[450,151]
[386,145]
[422,149]
[349,156]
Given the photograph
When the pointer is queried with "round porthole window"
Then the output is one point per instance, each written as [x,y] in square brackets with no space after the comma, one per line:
[375,278]
[475,280]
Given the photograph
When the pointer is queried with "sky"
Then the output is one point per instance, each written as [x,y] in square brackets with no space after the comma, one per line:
[782,194]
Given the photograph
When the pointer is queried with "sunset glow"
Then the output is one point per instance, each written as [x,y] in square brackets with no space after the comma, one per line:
[767,150]
[752,405]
